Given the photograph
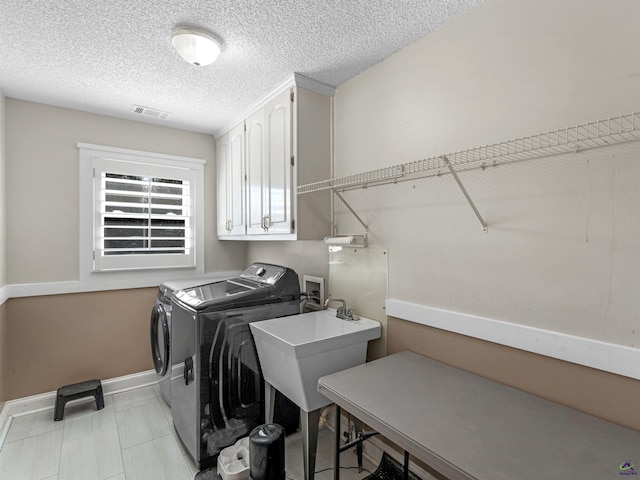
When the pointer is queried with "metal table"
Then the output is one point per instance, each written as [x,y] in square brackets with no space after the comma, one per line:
[468,427]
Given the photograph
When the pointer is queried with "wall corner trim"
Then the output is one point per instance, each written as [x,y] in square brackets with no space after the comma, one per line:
[608,357]
[104,283]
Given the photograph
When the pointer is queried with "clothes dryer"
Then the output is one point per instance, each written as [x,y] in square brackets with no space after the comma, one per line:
[160,328]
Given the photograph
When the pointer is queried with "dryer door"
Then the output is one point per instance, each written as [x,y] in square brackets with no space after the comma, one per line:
[160,339]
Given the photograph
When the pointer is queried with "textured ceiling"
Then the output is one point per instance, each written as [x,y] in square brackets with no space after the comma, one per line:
[104,56]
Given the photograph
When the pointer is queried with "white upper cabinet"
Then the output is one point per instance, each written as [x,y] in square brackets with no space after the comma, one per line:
[269,168]
[287,141]
[230,179]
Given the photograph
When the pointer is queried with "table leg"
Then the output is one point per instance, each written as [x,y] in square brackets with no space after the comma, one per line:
[406,465]
[309,426]
[358,425]
[269,402]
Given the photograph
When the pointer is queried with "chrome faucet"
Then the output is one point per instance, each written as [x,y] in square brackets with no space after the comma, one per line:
[342,312]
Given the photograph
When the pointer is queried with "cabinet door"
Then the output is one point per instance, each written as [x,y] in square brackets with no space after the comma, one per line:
[277,201]
[236,183]
[230,183]
[255,173]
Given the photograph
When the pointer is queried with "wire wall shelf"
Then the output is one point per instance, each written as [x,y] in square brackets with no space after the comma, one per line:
[611,131]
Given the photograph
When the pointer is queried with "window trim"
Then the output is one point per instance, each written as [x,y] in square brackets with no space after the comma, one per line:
[89,154]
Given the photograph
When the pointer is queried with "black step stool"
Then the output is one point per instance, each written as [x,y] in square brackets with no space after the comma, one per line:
[78,390]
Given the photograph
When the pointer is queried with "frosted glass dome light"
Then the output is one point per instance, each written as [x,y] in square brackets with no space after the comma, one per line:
[197,47]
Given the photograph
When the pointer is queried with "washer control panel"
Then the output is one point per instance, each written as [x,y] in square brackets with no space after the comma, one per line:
[264,273]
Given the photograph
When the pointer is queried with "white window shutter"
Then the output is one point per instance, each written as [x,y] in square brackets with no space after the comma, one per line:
[143,213]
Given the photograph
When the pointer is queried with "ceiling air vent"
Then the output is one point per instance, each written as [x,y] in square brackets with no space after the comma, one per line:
[150,112]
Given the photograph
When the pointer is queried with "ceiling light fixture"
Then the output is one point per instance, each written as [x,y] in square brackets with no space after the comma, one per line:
[197,47]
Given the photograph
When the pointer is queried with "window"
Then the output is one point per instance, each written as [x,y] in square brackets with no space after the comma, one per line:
[145,211]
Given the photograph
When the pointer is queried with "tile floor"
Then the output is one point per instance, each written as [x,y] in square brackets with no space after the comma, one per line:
[132,438]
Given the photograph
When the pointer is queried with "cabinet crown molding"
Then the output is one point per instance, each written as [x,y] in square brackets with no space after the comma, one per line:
[293,80]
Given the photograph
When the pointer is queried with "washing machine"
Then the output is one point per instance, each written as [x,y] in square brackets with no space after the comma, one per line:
[217,387]
[160,327]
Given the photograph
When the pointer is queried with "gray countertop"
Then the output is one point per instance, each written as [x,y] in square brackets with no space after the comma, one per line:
[468,427]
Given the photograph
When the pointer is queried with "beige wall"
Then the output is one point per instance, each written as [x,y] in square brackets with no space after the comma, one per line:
[42,164]
[60,339]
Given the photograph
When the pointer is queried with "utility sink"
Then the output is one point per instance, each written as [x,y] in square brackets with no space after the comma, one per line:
[296,351]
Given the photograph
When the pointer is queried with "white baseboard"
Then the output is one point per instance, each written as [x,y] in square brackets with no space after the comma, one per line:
[46,401]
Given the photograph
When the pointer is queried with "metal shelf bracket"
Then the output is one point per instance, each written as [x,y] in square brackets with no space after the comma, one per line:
[485,227]
[351,210]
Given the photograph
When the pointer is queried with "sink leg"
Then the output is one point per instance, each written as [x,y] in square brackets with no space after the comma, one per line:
[269,402]
[309,426]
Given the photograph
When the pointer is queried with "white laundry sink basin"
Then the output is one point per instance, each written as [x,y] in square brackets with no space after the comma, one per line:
[296,351]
